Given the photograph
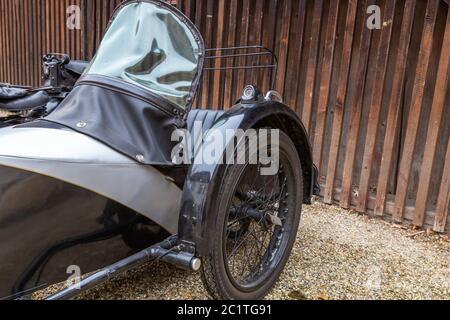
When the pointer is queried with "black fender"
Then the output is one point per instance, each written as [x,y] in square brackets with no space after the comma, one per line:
[203,180]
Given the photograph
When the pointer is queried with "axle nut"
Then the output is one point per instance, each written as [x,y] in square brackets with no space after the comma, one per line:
[196,264]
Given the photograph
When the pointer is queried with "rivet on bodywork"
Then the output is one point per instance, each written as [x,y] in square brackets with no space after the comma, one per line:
[140,158]
[81,124]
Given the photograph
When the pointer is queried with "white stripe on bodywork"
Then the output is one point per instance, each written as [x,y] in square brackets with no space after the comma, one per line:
[82,161]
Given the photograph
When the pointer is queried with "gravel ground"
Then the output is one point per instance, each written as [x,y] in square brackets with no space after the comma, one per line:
[338,255]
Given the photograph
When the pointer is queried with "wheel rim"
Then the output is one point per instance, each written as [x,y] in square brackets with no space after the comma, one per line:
[255,242]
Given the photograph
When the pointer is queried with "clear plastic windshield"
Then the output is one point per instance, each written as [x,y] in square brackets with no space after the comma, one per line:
[149,46]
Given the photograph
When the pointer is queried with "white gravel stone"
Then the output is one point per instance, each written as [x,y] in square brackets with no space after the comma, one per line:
[338,255]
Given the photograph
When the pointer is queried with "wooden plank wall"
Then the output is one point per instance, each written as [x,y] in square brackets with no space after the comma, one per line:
[376,103]
[31,28]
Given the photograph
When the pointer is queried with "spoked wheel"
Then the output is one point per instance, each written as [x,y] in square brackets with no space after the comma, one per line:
[255,229]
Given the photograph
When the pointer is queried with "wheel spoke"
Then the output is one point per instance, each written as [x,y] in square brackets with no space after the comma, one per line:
[252,244]
[240,245]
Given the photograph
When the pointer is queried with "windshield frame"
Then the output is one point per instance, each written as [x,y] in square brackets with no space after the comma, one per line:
[201,55]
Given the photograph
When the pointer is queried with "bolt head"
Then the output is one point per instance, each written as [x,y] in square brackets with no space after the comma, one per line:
[140,158]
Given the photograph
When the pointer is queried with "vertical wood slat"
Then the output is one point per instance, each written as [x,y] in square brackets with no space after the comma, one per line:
[62,28]
[198,22]
[50,32]
[23,46]
[79,52]
[355,114]
[376,101]
[244,32]
[32,43]
[340,102]
[444,196]
[416,110]
[208,34]
[217,75]
[284,45]
[325,84]
[394,109]
[57,26]
[295,53]
[231,41]
[20,47]
[98,21]
[34,53]
[7,57]
[268,37]
[258,29]
[312,63]
[40,38]
[24,26]
[10,40]
[16,34]
[49,27]
[12,43]
[15,37]
[2,43]
[434,127]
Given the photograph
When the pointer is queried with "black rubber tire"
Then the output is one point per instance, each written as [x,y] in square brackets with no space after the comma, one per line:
[214,271]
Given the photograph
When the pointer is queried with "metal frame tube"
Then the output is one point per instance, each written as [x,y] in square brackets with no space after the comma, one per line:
[165,251]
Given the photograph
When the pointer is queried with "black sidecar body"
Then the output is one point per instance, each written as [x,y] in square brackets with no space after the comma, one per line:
[97,185]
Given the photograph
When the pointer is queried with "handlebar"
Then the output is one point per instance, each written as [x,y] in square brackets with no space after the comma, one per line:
[60,58]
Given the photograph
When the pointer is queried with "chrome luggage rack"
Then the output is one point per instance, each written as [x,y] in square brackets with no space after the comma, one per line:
[239,52]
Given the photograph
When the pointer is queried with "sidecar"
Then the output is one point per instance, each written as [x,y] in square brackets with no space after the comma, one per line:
[125,172]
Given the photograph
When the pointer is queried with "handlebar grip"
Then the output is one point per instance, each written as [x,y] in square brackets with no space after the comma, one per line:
[63,59]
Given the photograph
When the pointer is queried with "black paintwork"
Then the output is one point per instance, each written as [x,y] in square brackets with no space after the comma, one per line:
[203,180]
[54,225]
[47,225]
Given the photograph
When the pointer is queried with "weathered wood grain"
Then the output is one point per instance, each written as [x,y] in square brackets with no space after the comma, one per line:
[325,84]
[361,140]
[434,127]
[340,102]
[394,107]
[416,110]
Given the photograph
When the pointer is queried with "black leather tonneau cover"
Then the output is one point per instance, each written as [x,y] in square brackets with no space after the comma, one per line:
[136,127]
[29,102]
[133,100]
[77,67]
[10,93]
